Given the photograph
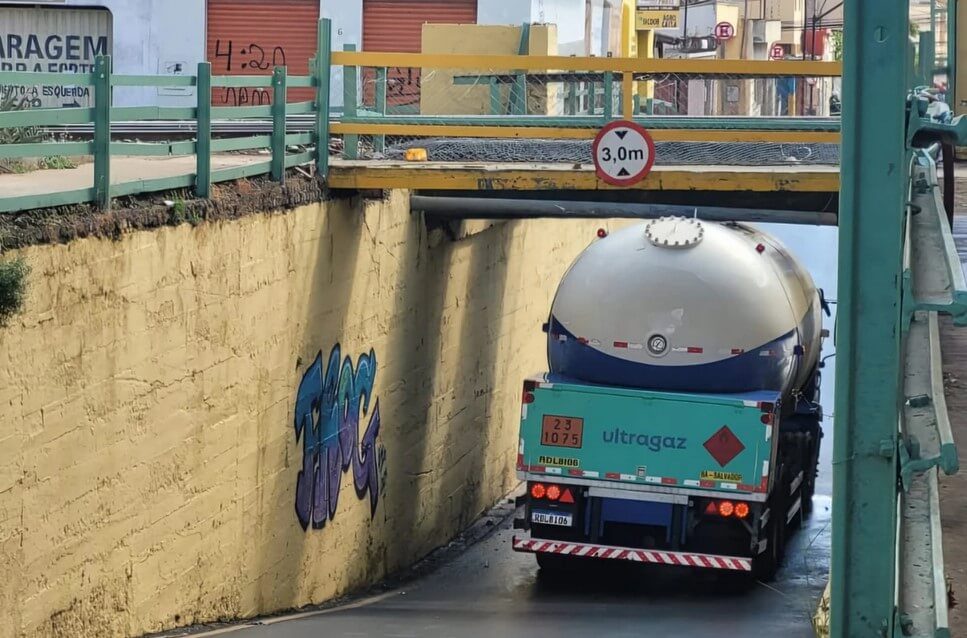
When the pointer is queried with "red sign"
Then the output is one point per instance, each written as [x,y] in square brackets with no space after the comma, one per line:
[777,52]
[623,153]
[724,31]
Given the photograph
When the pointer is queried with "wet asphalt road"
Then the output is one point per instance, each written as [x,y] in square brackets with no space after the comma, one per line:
[492,592]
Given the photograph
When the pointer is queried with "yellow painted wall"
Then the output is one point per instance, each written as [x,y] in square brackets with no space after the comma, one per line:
[148,456]
[439,96]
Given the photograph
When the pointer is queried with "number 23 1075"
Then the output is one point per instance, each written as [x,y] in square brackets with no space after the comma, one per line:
[562,431]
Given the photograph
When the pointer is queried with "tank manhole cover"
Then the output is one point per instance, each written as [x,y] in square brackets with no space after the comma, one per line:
[674,232]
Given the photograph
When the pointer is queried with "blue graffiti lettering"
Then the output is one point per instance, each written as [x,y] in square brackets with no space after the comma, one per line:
[327,408]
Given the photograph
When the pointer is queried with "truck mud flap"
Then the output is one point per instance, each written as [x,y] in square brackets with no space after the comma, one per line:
[589,550]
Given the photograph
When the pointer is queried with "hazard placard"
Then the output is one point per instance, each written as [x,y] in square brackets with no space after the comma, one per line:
[624,153]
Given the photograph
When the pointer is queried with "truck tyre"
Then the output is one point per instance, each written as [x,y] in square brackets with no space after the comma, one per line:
[766,564]
[552,564]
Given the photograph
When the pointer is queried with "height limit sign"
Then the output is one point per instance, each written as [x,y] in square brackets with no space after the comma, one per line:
[623,153]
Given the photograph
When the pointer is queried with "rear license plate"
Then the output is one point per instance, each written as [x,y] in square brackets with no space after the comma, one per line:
[552,518]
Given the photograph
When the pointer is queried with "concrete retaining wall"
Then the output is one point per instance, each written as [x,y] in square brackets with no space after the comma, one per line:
[162,456]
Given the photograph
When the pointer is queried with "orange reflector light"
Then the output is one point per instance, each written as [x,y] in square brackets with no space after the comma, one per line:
[553,492]
[415,155]
[741,510]
[567,497]
[726,508]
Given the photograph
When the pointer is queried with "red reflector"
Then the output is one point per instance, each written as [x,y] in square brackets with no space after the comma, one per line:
[711,509]
[766,418]
[767,406]
[567,497]
[553,492]
[760,249]
[737,350]
[528,397]
[582,341]
[696,350]
[726,508]
[602,233]
[538,490]
[620,344]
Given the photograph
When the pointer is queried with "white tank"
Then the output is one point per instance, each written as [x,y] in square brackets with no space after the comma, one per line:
[683,304]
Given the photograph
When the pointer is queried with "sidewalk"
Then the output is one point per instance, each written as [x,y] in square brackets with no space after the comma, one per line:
[123,169]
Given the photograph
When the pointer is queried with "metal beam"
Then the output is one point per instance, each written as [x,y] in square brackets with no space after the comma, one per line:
[872,202]
[488,208]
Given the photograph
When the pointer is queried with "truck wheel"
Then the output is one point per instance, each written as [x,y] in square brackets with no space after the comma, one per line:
[552,564]
[765,565]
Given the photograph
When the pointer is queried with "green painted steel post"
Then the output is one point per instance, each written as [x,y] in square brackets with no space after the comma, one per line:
[608,96]
[518,95]
[952,55]
[496,103]
[102,131]
[868,392]
[927,58]
[350,82]
[323,73]
[203,144]
[279,97]
[379,142]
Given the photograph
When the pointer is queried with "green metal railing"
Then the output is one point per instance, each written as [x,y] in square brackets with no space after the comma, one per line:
[101,115]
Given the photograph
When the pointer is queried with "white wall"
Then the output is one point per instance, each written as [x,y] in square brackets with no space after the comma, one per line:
[347,28]
[147,35]
[503,12]
[568,15]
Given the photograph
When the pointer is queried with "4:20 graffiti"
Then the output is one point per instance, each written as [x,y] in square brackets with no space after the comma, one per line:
[253,56]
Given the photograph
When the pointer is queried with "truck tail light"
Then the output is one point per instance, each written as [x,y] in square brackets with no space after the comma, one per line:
[727,509]
[553,492]
[528,397]
[538,491]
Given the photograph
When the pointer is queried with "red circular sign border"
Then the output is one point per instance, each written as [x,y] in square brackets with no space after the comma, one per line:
[634,179]
[731,27]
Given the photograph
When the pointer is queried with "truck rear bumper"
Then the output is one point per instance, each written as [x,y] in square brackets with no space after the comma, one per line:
[590,550]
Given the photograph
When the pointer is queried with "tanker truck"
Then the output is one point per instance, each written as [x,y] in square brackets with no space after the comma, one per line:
[680,422]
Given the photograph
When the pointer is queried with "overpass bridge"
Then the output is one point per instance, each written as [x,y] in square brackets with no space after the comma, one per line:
[873,173]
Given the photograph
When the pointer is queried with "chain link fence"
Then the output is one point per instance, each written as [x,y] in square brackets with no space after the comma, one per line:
[508,116]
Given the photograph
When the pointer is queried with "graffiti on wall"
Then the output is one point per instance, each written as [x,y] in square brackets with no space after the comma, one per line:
[328,407]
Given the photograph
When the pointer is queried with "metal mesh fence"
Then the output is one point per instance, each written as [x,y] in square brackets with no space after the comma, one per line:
[407,100]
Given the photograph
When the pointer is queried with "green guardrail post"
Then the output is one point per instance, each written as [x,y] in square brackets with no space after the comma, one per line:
[102,131]
[496,104]
[571,98]
[323,73]
[927,58]
[350,82]
[873,198]
[203,144]
[518,95]
[379,142]
[279,97]
[608,96]
[952,54]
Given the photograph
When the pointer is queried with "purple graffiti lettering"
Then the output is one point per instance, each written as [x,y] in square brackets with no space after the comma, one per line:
[327,410]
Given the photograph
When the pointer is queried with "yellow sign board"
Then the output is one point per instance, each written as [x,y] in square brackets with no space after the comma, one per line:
[648,20]
[722,476]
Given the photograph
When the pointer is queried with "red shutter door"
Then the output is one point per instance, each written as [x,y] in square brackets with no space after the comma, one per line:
[250,37]
[397,26]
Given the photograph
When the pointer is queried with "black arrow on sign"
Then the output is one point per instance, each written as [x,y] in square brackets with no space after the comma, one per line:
[621,134]
[623,173]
